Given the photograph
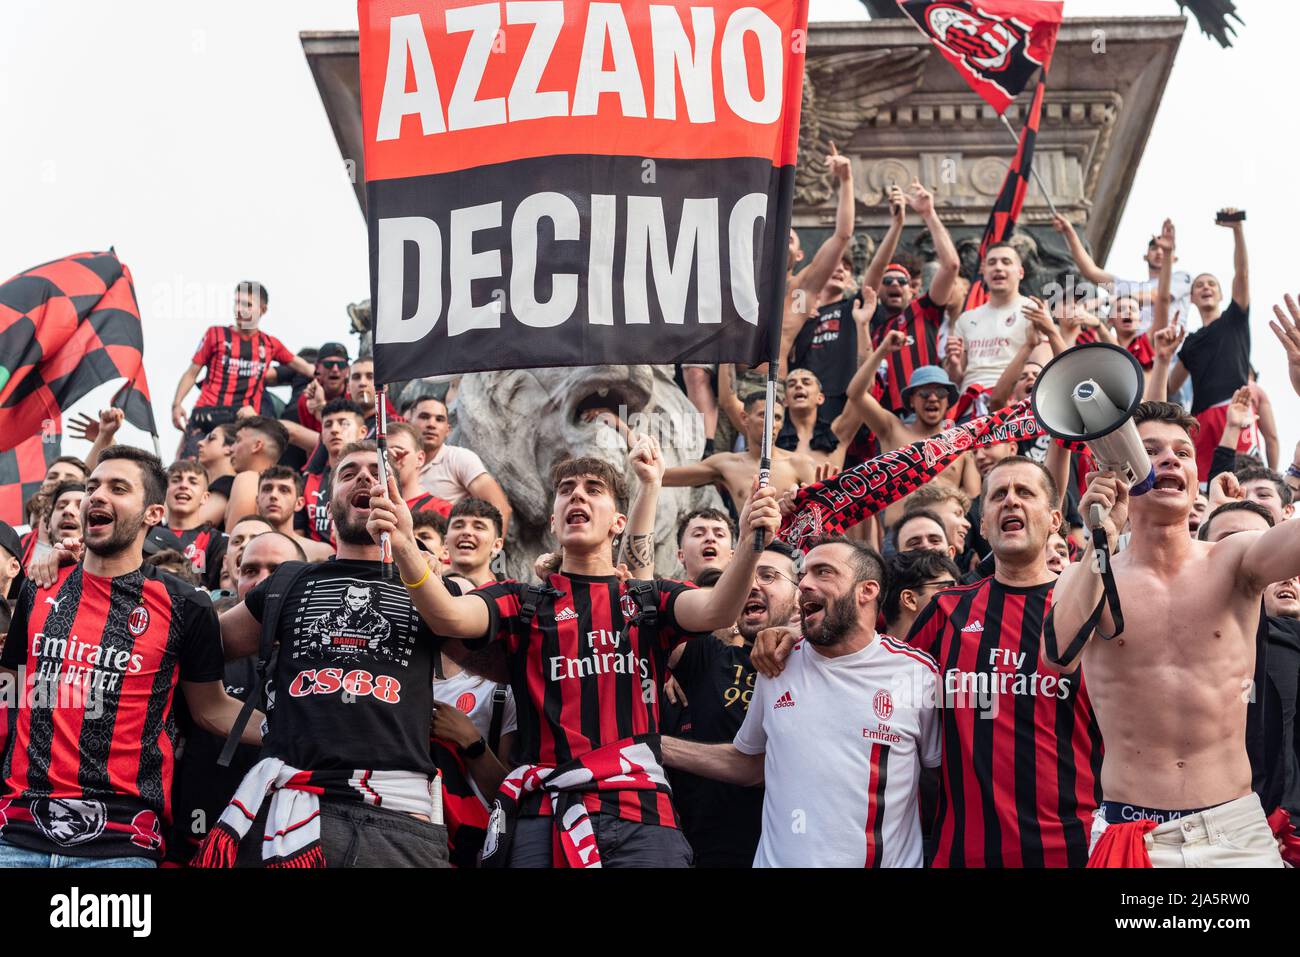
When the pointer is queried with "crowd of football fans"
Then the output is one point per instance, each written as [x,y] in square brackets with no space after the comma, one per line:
[756,772]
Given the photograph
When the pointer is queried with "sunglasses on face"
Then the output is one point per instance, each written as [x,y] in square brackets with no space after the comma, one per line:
[893,281]
[334,365]
[931,393]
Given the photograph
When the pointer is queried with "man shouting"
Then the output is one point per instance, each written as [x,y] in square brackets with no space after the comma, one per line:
[1170,687]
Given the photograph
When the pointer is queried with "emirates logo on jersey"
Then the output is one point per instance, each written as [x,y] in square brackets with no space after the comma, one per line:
[883,705]
[138,621]
[465,703]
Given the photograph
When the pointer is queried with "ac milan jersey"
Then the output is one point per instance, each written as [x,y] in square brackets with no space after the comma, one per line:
[205,546]
[316,506]
[1140,346]
[426,502]
[1021,773]
[89,764]
[237,366]
[586,674]
[921,321]
[844,740]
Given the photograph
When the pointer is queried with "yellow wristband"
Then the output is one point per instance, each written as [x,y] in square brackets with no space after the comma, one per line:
[415,584]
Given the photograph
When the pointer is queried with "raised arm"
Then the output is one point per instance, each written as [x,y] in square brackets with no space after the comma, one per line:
[721,762]
[1035,310]
[99,432]
[864,307]
[638,548]
[889,242]
[695,474]
[708,609]
[1000,394]
[1087,266]
[813,277]
[728,401]
[452,616]
[1160,305]
[1267,428]
[1240,264]
[1165,345]
[946,253]
[1079,588]
[875,416]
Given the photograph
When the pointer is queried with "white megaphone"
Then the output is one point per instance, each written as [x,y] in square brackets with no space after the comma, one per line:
[1088,394]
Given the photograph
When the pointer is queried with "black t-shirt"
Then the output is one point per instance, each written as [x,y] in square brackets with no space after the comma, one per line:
[828,345]
[353,678]
[221,485]
[723,822]
[1284,678]
[1217,358]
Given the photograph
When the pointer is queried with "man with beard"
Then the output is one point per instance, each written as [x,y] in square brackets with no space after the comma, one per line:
[279,499]
[995,807]
[62,521]
[704,542]
[929,396]
[849,706]
[104,649]
[205,546]
[723,821]
[346,770]
[1177,774]
[586,654]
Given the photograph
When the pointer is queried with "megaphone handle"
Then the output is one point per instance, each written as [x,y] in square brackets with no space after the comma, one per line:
[1097,516]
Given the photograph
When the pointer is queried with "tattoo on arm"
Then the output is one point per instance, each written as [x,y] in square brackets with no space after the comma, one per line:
[640,551]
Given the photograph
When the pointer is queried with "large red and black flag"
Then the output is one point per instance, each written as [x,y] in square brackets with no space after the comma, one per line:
[22,470]
[578,183]
[67,327]
[996,46]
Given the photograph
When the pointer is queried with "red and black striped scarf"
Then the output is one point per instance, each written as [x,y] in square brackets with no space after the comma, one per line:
[845,499]
[631,764]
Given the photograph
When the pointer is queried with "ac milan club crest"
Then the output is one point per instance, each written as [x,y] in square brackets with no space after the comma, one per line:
[138,620]
[628,604]
[883,705]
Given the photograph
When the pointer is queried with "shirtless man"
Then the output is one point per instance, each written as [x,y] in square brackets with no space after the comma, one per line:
[1171,701]
[736,470]
[806,435]
[929,394]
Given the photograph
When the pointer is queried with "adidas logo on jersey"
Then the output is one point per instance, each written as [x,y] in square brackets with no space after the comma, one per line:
[565,614]
[976,627]
[785,701]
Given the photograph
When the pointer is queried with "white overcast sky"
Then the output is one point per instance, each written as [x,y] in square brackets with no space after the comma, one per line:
[190,136]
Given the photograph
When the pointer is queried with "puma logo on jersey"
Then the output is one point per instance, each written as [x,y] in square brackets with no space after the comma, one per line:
[55,602]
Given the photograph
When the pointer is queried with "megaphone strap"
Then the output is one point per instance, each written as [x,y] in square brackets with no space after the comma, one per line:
[1109,596]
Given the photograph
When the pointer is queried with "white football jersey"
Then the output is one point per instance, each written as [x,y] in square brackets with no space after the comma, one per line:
[844,740]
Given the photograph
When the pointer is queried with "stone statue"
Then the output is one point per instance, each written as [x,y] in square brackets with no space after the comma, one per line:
[841,92]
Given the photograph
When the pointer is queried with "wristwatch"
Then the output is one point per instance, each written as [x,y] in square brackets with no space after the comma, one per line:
[475,750]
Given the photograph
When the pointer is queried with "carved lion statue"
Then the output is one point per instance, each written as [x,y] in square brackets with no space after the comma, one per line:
[522,422]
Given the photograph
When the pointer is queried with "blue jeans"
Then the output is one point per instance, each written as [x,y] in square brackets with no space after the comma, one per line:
[11,856]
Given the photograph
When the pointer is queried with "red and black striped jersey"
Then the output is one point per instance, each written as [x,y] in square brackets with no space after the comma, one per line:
[205,546]
[921,321]
[316,506]
[1021,771]
[585,675]
[237,366]
[89,765]
[426,502]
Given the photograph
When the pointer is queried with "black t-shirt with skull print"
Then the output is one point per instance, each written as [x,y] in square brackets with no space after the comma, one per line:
[353,681]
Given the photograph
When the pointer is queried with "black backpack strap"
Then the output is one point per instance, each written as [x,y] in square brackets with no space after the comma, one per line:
[277,587]
[646,595]
[1109,597]
[498,717]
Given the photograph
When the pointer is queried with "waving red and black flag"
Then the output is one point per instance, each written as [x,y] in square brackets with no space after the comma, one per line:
[580,183]
[996,45]
[22,470]
[67,327]
[1006,208]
